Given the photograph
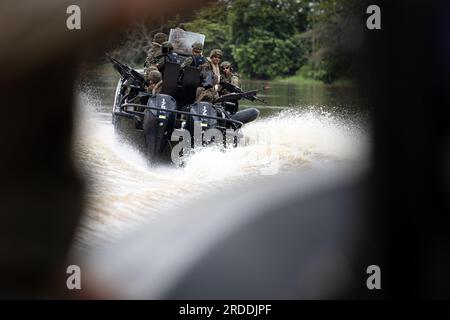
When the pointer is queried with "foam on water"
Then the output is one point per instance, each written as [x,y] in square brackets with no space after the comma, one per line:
[124,190]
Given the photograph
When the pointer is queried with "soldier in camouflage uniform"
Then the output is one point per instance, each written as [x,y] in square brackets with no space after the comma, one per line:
[154,79]
[167,55]
[228,75]
[210,72]
[148,70]
[197,59]
[207,94]
[155,82]
[213,63]
[155,50]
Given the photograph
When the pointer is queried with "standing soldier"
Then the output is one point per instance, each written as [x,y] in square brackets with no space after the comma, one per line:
[197,59]
[167,54]
[213,64]
[155,49]
[210,73]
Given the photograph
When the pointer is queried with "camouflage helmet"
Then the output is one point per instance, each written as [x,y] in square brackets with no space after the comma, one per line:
[160,37]
[214,52]
[166,47]
[154,76]
[197,46]
[225,64]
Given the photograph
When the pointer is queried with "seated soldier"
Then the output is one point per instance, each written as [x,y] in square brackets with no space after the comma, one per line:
[148,70]
[155,82]
[228,74]
[154,79]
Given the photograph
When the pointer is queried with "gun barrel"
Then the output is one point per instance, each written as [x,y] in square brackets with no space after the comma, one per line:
[127,72]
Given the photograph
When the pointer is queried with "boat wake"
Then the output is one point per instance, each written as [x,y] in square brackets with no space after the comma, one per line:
[124,190]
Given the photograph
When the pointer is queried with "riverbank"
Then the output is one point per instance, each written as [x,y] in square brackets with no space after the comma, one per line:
[300,79]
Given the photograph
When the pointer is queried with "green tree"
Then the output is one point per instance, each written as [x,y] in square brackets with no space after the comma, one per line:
[271,38]
[263,32]
[212,21]
[335,33]
[264,56]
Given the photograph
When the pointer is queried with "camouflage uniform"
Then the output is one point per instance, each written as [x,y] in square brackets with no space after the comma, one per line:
[206,94]
[153,53]
[167,55]
[155,82]
[214,68]
[231,77]
[209,91]
[148,70]
[187,62]
[157,88]
[190,61]
[155,50]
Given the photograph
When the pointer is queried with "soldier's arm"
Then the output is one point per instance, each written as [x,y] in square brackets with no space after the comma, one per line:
[235,81]
[148,60]
[186,62]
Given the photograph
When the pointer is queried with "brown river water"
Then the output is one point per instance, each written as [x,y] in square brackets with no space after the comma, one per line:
[301,128]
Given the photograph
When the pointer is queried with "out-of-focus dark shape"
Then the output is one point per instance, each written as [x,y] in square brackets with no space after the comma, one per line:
[404,70]
[407,79]
[40,192]
[297,237]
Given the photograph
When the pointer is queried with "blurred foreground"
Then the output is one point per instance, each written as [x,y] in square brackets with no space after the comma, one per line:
[278,240]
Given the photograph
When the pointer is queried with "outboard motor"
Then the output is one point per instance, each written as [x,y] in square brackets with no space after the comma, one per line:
[158,125]
[203,108]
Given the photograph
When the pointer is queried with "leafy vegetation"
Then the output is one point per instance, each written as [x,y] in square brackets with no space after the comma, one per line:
[267,39]
[272,38]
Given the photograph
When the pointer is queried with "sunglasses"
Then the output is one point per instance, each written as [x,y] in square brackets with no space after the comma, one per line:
[217,57]
[225,68]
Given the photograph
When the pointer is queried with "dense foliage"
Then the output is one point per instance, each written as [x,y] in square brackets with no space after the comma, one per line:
[272,38]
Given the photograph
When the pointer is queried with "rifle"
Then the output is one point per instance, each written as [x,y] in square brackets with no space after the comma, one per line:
[250,95]
[237,93]
[128,73]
